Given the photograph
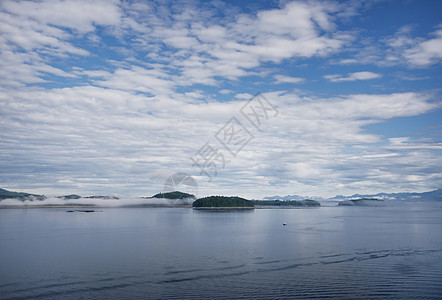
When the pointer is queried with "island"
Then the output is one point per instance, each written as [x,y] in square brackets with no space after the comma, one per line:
[175,198]
[290,203]
[222,202]
[175,195]
[362,202]
[70,197]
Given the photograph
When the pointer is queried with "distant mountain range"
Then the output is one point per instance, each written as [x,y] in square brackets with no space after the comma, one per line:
[435,195]
[292,197]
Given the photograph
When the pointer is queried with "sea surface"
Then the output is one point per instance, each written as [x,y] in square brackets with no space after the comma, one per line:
[181,253]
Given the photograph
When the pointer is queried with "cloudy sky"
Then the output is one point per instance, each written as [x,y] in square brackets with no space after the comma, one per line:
[113,97]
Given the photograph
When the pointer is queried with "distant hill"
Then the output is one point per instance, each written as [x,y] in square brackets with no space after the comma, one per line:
[222,202]
[5,194]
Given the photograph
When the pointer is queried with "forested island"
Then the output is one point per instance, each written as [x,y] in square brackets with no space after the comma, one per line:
[176,195]
[222,202]
[238,202]
[294,203]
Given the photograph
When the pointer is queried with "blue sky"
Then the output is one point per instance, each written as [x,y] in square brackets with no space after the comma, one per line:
[100,97]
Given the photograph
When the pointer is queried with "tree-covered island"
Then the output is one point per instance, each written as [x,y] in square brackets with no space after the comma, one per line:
[223,202]
[175,195]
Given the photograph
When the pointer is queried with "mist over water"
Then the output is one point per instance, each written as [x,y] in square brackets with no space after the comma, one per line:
[181,253]
[99,202]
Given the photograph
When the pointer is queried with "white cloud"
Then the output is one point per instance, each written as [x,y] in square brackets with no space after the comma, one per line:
[377,106]
[213,33]
[203,49]
[78,15]
[28,34]
[199,49]
[243,96]
[427,52]
[353,76]
[402,48]
[303,170]
[17,69]
[152,81]
[225,92]
[287,79]
[32,33]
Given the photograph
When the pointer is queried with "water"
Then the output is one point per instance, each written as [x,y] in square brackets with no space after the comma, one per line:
[180,253]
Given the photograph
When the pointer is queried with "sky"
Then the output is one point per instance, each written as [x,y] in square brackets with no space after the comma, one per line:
[248,98]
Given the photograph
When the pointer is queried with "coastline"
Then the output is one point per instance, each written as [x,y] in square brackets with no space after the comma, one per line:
[221,208]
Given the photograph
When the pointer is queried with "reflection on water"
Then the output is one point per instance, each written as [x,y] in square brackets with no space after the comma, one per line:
[333,252]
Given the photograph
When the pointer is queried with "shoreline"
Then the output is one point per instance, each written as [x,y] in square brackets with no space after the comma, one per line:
[228,207]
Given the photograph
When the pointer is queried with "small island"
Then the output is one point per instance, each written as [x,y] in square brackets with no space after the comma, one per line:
[175,198]
[175,195]
[70,197]
[362,202]
[222,202]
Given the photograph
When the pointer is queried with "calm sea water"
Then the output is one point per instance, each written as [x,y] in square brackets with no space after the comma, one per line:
[179,253]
